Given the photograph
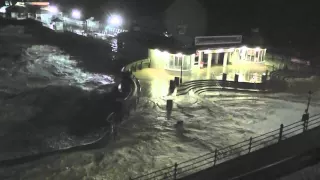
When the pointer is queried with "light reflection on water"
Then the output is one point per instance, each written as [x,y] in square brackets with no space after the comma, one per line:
[114,44]
[114,47]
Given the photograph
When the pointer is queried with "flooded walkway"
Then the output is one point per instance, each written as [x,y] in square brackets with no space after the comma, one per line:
[155,82]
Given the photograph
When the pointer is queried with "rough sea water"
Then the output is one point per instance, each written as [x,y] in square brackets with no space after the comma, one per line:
[46,102]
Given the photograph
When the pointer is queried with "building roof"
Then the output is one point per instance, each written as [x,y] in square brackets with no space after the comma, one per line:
[16,9]
[57,19]
[172,49]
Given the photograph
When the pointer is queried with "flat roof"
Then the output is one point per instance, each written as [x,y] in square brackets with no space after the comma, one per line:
[225,46]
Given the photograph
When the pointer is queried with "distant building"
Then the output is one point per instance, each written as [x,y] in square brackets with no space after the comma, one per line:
[209,51]
[16,12]
[57,24]
[186,19]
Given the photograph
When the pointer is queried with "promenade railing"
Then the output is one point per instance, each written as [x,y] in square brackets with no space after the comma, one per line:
[218,156]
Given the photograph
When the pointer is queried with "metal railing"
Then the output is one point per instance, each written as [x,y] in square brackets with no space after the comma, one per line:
[179,170]
[200,86]
[138,65]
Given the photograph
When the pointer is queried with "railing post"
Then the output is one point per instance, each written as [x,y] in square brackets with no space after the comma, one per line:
[215,157]
[250,144]
[175,171]
[280,133]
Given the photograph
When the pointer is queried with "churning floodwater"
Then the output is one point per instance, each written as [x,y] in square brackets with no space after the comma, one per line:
[44,96]
[46,101]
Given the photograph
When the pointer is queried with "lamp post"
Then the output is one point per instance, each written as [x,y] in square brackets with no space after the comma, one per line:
[181,73]
[309,99]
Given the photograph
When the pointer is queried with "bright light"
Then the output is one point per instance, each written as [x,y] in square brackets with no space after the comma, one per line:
[115,20]
[39,3]
[257,49]
[76,14]
[244,47]
[179,54]
[165,53]
[231,49]
[157,51]
[53,9]
[207,51]
[3,9]
[219,50]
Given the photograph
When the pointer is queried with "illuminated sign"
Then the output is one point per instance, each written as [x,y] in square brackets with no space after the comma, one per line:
[38,3]
[215,40]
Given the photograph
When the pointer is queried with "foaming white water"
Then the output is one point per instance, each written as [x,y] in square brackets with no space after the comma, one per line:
[42,90]
[41,65]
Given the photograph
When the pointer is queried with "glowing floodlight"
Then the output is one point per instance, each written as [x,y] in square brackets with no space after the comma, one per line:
[244,47]
[115,20]
[219,50]
[179,54]
[76,14]
[165,52]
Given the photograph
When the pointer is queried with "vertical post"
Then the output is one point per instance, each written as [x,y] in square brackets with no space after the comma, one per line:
[250,144]
[181,73]
[280,133]
[225,59]
[215,157]
[175,171]
[130,178]
[216,60]
[309,99]
[209,66]
[200,59]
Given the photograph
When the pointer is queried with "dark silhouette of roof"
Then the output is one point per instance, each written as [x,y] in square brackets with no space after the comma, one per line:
[57,19]
[16,9]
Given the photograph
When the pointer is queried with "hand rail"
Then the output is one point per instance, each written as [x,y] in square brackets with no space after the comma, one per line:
[202,85]
[230,152]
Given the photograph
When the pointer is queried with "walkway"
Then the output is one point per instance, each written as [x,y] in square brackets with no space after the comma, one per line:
[155,82]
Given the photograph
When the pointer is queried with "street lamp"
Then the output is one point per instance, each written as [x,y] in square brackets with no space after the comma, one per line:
[76,14]
[309,99]
[115,20]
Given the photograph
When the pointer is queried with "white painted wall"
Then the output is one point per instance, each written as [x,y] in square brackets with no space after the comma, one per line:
[160,59]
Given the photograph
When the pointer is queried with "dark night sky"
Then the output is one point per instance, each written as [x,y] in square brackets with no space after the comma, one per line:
[279,20]
[250,13]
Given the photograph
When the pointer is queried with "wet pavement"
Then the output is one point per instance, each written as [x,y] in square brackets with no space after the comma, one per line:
[155,82]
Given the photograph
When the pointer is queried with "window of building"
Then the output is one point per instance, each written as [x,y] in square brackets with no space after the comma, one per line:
[196,60]
[176,62]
